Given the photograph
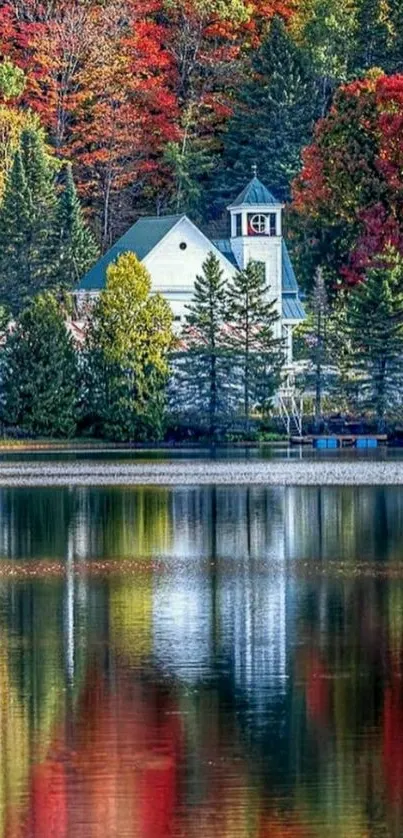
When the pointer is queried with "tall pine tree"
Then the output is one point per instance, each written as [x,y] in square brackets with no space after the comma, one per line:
[256,351]
[38,371]
[28,255]
[16,263]
[274,116]
[374,326]
[76,248]
[45,243]
[199,386]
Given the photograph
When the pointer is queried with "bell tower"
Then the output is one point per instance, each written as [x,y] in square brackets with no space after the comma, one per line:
[256,232]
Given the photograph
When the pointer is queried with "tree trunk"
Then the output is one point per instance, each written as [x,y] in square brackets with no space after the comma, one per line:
[213,396]
[318,373]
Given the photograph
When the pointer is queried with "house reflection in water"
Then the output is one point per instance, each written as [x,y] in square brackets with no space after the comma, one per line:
[231,665]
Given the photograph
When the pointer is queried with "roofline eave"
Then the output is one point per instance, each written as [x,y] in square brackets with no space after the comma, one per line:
[256,207]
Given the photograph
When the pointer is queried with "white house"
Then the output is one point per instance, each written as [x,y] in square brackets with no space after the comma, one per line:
[173,250]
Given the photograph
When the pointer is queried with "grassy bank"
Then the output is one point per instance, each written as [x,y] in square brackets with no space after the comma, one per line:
[99,445]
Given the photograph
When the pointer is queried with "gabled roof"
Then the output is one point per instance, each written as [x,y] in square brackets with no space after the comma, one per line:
[140,239]
[255,193]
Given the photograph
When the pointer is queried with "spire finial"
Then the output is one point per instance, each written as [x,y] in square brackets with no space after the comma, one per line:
[254,170]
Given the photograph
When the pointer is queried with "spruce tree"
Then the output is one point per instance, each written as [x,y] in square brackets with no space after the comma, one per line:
[76,247]
[274,116]
[40,171]
[374,328]
[38,370]
[256,352]
[28,256]
[199,387]
[320,316]
[16,264]
[374,38]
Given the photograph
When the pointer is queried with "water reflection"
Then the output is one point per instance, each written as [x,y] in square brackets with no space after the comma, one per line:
[245,679]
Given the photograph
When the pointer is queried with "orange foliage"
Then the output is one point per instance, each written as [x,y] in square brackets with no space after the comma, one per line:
[113,83]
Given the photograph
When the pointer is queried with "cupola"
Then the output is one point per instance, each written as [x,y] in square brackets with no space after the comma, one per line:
[255,212]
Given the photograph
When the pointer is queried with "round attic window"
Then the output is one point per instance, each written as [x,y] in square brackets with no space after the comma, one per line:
[258,223]
[183,245]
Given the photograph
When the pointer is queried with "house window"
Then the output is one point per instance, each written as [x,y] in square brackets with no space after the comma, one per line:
[238,224]
[272,224]
[183,245]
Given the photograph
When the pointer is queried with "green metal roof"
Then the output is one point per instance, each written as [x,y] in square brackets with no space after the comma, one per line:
[292,307]
[224,246]
[255,193]
[289,282]
[140,239]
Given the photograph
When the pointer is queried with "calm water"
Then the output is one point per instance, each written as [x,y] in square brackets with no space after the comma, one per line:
[202,663]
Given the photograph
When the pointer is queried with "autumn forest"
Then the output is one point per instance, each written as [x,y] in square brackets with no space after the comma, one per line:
[163,105]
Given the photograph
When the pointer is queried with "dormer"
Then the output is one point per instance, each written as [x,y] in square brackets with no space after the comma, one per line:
[256,212]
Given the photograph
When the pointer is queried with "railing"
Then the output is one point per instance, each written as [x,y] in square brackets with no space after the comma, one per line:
[291,410]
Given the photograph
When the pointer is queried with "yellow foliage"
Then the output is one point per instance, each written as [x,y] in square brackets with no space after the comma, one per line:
[12,122]
[132,322]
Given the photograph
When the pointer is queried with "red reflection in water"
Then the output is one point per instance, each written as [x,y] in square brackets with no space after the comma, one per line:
[393,738]
[116,774]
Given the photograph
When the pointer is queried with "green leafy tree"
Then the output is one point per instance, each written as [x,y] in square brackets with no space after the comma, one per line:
[38,368]
[126,357]
[199,388]
[12,80]
[372,35]
[274,116]
[374,328]
[378,37]
[76,248]
[256,351]
[327,30]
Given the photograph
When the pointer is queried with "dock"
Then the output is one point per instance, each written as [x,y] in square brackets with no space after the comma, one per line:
[340,440]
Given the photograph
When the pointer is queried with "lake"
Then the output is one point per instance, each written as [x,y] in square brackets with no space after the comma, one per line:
[201,661]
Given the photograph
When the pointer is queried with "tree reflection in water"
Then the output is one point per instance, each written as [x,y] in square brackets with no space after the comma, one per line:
[246,680]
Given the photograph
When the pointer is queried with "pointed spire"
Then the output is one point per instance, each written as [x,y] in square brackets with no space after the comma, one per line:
[254,170]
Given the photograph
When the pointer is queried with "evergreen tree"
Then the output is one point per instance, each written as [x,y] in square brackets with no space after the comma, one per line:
[320,311]
[126,357]
[38,369]
[396,20]
[374,40]
[199,388]
[256,352]
[374,327]
[190,163]
[28,258]
[16,264]
[76,247]
[319,342]
[274,116]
